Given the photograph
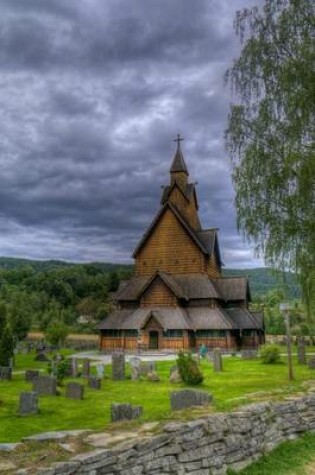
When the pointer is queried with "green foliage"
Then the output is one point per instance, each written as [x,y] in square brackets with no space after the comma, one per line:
[270,354]
[271,132]
[56,333]
[6,346]
[59,368]
[188,369]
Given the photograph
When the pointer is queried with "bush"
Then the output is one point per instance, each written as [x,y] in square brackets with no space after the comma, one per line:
[188,369]
[270,354]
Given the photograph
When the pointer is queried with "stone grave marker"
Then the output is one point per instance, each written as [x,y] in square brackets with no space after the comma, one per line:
[31,374]
[147,367]
[121,412]
[153,376]
[185,398]
[94,382]
[74,367]
[86,368]
[45,386]
[249,354]
[311,363]
[5,373]
[28,403]
[135,368]
[174,375]
[100,369]
[75,391]
[217,360]
[301,352]
[118,366]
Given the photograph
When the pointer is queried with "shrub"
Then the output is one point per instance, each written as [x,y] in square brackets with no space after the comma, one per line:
[188,369]
[270,354]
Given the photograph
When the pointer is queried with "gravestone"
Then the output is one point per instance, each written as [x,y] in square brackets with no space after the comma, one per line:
[118,366]
[31,374]
[217,360]
[147,367]
[135,368]
[249,354]
[100,369]
[86,368]
[5,373]
[45,386]
[41,356]
[28,403]
[74,367]
[153,376]
[94,382]
[121,412]
[74,391]
[301,351]
[311,363]
[185,398]
[174,375]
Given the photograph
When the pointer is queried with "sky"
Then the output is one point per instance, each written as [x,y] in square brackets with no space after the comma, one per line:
[92,93]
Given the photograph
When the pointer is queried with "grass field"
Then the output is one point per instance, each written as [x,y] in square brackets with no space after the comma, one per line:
[241,382]
[290,458]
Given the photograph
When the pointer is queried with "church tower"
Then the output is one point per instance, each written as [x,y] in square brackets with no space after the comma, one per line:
[178,298]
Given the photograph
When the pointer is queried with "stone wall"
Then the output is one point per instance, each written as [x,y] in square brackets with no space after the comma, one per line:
[205,446]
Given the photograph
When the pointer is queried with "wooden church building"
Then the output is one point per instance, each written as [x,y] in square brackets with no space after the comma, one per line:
[177,297]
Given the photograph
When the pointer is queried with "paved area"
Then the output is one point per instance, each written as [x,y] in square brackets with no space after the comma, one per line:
[107,358]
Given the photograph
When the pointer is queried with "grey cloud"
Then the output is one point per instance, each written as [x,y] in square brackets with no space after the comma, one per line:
[92,94]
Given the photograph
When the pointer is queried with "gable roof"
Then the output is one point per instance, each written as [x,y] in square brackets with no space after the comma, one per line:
[181,220]
[209,238]
[131,289]
[244,319]
[184,286]
[168,280]
[233,288]
[188,191]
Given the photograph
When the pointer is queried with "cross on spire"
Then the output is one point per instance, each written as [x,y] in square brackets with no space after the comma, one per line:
[178,140]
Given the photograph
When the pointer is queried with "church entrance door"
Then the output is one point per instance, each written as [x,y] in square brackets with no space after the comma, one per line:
[153,340]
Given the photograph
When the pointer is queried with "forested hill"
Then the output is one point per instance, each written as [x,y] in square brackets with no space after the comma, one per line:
[9,263]
[262,279]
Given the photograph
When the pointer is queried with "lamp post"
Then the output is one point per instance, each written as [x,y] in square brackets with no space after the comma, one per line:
[285,308]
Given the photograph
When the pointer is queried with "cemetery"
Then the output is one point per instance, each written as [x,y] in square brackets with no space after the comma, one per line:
[94,396]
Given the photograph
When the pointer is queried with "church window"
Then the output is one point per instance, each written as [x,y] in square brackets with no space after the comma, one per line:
[131,333]
[210,333]
[173,333]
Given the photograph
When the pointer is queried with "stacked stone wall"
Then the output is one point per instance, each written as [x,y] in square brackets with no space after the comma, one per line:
[206,446]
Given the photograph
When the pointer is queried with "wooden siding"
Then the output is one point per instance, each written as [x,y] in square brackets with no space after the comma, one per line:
[158,294]
[218,342]
[186,207]
[179,177]
[169,249]
[212,268]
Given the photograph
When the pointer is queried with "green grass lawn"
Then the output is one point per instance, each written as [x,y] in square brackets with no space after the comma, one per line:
[290,458]
[240,382]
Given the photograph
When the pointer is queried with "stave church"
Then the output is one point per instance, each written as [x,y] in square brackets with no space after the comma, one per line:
[178,298]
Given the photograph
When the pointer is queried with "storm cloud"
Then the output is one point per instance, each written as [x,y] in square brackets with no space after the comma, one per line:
[91,95]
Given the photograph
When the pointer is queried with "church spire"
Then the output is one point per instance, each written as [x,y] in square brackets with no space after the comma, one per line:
[179,171]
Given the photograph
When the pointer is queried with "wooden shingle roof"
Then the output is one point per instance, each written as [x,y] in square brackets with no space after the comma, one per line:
[205,318]
[178,164]
[233,288]
[244,318]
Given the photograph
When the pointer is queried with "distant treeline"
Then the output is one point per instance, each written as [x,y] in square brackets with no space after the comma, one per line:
[262,279]
[42,294]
